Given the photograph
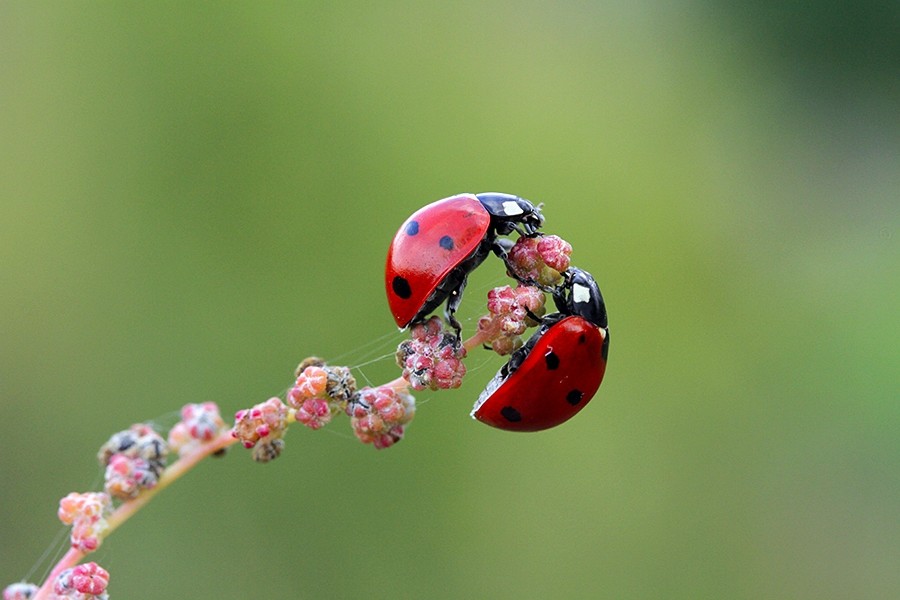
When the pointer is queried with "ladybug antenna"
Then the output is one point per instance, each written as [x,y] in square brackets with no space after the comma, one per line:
[530,226]
[579,295]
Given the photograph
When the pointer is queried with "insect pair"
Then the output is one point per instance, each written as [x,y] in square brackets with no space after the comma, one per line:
[559,369]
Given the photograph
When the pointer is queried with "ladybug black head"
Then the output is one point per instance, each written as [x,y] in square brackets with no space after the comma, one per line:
[509,213]
[580,295]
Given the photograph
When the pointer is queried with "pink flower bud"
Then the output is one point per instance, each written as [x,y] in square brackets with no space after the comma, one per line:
[20,591]
[510,311]
[540,259]
[265,420]
[90,578]
[314,413]
[432,358]
[380,414]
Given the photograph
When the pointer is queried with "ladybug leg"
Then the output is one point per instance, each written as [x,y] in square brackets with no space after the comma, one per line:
[453,300]
[457,328]
[501,248]
[454,283]
[526,231]
[534,317]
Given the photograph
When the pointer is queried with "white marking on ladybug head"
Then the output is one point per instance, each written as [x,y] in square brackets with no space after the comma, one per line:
[511,208]
[581,293]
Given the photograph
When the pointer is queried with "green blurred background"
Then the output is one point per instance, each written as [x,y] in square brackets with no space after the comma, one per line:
[195,197]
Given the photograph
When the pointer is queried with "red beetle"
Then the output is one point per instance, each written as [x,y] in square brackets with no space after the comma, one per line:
[557,372]
[437,247]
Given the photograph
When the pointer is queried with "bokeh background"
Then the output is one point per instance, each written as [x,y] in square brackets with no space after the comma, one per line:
[195,197]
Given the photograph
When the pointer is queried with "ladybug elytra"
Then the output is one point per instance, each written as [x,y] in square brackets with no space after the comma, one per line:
[437,247]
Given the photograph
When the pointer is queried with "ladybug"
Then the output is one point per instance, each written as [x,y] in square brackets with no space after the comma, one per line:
[558,370]
[437,247]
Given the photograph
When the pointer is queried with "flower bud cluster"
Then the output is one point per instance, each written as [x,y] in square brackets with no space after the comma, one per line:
[19,591]
[380,414]
[320,392]
[140,440]
[432,357]
[261,428]
[86,513]
[134,459]
[511,312]
[540,259]
[87,581]
[340,384]
[200,423]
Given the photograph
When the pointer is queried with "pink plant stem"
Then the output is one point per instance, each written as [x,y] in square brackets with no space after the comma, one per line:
[477,340]
[69,560]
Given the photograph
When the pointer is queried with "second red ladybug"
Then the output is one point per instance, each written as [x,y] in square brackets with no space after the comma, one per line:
[557,372]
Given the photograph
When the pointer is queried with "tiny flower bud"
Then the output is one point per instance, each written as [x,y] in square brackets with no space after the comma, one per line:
[314,413]
[86,513]
[310,383]
[510,315]
[200,423]
[309,361]
[63,584]
[139,440]
[203,420]
[388,439]
[90,505]
[319,391]
[126,476]
[90,578]
[267,450]
[19,591]
[180,439]
[555,252]
[117,444]
[264,422]
[341,385]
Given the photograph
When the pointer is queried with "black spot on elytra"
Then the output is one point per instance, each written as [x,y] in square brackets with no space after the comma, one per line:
[446,242]
[552,360]
[581,339]
[574,397]
[401,287]
[510,414]
[412,228]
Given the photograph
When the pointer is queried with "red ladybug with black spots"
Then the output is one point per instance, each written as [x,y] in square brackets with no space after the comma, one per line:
[434,251]
[558,370]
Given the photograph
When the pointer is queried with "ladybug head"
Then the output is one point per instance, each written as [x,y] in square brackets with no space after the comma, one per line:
[510,213]
[580,295]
